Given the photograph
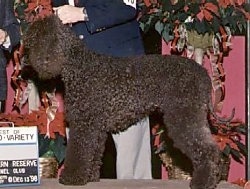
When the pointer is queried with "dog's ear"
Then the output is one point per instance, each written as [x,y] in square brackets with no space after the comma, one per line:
[29,73]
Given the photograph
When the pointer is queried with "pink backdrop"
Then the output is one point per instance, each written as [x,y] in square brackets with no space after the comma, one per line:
[235,91]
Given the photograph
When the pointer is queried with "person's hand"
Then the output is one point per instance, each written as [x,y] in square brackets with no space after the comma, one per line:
[69,14]
[3,36]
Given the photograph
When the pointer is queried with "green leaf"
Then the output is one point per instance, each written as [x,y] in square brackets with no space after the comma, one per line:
[142,26]
[201,27]
[166,33]
[215,25]
[242,147]
[236,155]
[52,147]
[167,5]
[59,148]
[194,8]
[43,144]
[159,27]
[226,150]
[241,129]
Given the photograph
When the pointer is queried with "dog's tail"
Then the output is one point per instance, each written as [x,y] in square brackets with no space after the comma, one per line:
[221,119]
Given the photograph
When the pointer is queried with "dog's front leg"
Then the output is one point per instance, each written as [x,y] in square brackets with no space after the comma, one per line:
[81,164]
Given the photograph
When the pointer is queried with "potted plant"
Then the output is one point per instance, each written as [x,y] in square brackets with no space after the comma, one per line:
[201,16]
[196,28]
[229,137]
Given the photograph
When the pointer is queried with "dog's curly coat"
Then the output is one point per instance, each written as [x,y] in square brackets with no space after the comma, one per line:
[106,94]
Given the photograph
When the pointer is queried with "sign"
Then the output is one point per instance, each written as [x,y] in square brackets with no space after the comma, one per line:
[131,3]
[19,156]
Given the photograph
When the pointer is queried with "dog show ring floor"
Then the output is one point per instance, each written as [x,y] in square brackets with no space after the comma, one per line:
[124,184]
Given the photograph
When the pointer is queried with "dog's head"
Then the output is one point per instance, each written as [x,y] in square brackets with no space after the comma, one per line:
[46,44]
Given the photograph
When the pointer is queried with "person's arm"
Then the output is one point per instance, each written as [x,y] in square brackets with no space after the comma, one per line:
[10,30]
[98,14]
[103,14]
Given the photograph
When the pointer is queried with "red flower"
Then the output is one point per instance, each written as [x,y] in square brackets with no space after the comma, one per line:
[37,118]
[224,140]
[38,9]
[226,3]
[206,11]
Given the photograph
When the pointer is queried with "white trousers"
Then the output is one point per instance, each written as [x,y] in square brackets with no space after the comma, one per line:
[133,160]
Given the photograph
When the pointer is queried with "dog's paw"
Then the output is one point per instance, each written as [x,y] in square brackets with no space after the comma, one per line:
[72,181]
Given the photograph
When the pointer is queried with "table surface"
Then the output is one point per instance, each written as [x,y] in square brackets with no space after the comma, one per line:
[123,184]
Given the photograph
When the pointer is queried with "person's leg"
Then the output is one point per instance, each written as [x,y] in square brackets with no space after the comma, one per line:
[134,152]
[2,105]
[3,85]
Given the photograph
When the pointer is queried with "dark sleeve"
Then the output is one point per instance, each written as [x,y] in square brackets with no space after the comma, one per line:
[57,3]
[105,14]
[11,24]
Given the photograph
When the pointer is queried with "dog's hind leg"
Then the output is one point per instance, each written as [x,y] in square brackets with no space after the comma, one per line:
[97,161]
[191,134]
[205,158]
